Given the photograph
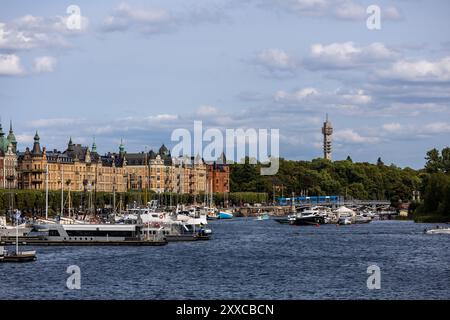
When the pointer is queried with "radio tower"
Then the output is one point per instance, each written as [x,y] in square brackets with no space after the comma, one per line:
[327,131]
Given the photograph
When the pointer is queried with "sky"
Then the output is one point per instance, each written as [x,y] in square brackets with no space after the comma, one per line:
[137,70]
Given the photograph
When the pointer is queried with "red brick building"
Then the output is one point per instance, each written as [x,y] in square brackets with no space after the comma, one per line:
[218,177]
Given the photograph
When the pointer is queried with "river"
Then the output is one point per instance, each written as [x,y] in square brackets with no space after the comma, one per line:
[248,259]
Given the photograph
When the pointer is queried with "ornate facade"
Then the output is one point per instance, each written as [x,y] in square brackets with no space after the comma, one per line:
[75,169]
[81,168]
[8,159]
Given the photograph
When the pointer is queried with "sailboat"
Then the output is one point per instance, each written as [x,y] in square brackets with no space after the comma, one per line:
[17,256]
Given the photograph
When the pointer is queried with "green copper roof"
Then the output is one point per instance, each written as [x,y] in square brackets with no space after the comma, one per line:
[11,136]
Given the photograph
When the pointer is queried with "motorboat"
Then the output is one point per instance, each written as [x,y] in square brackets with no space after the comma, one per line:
[344,220]
[262,217]
[225,214]
[438,230]
[16,256]
[362,219]
[307,220]
[182,225]
[310,216]
[287,220]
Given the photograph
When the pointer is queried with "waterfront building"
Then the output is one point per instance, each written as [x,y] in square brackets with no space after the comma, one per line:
[80,168]
[149,170]
[189,175]
[218,174]
[8,159]
[327,131]
[75,169]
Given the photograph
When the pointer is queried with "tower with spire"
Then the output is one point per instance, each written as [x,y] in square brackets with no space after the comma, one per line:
[327,131]
[94,147]
[36,146]
[121,149]
[12,138]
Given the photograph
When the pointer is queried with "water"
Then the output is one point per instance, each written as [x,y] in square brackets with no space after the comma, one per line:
[248,259]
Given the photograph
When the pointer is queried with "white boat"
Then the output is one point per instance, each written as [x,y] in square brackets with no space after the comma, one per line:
[178,226]
[345,220]
[9,231]
[93,234]
[362,219]
[438,231]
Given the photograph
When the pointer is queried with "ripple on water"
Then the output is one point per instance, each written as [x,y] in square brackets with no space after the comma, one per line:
[248,259]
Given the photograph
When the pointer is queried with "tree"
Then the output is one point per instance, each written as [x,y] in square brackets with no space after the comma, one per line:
[380,162]
[445,160]
[434,161]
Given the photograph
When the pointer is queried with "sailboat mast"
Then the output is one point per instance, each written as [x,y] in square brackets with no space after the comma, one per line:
[46,192]
[17,234]
[62,190]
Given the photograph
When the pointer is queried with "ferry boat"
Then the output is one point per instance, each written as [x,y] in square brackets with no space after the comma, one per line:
[90,234]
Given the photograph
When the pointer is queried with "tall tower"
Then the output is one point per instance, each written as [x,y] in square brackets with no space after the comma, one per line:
[327,131]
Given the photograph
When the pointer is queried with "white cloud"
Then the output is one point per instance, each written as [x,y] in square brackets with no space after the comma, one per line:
[24,138]
[152,20]
[31,32]
[163,117]
[44,64]
[351,136]
[347,55]
[349,10]
[10,65]
[394,127]
[391,13]
[338,9]
[419,71]
[313,99]
[436,128]
[55,122]
[276,61]
[296,96]
[358,97]
[206,111]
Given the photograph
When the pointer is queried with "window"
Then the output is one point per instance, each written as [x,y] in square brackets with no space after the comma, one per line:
[53,233]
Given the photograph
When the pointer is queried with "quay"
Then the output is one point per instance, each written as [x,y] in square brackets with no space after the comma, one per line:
[42,242]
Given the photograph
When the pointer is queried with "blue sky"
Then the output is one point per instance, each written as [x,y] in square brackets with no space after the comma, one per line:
[139,69]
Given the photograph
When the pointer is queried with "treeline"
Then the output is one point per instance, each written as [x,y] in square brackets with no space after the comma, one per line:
[323,177]
[435,188]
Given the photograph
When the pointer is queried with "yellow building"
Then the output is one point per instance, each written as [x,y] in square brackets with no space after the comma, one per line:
[77,169]
[80,169]
[149,171]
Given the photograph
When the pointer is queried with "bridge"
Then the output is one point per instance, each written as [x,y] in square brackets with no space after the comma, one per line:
[331,201]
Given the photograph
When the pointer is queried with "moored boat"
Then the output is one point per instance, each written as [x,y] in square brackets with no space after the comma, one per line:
[90,234]
[438,231]
[225,215]
[17,256]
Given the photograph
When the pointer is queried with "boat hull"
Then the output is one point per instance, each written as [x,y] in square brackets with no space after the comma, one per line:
[43,242]
[308,221]
[225,215]
[21,257]
[175,238]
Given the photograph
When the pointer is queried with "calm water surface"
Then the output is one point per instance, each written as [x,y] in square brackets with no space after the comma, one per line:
[248,259]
